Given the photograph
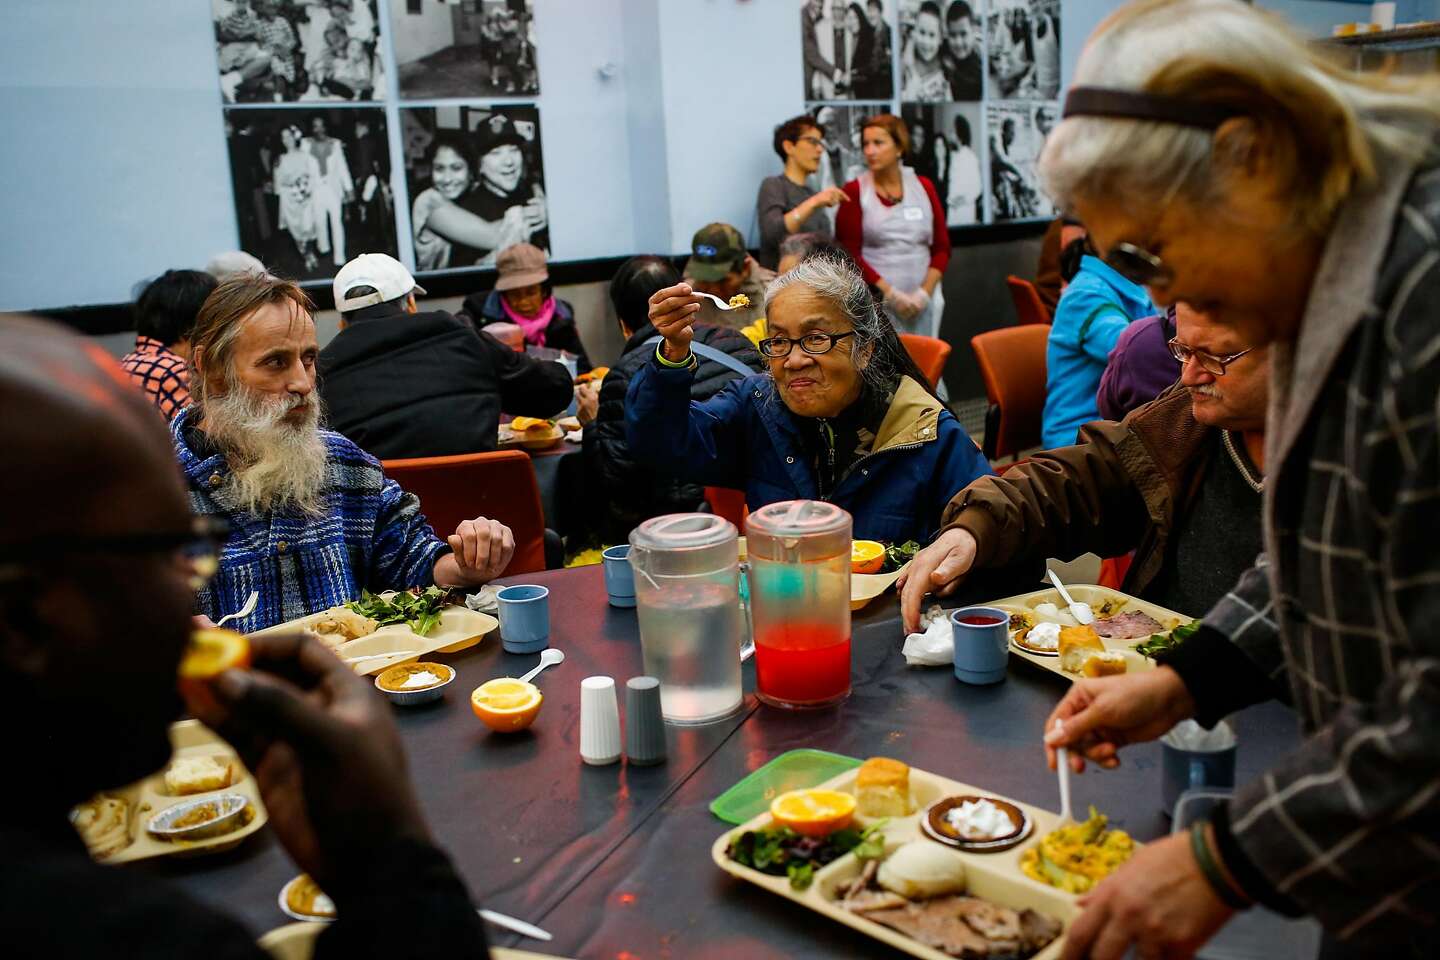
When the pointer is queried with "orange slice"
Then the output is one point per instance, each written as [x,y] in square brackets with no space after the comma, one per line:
[505,704]
[210,653]
[814,813]
[867,556]
[526,424]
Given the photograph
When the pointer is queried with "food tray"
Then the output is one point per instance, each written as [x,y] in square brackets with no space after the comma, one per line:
[189,738]
[992,876]
[1094,595]
[296,941]
[459,628]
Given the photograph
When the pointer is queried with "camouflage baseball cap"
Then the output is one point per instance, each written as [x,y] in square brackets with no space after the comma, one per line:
[716,250]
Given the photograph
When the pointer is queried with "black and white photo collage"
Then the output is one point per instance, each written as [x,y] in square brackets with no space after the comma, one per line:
[311,90]
[977,83]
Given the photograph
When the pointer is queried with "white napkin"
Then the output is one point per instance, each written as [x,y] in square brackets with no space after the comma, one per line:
[935,646]
[483,601]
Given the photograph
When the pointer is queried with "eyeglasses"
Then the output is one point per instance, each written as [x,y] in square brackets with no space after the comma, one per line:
[198,548]
[1140,265]
[1208,361]
[813,141]
[777,348]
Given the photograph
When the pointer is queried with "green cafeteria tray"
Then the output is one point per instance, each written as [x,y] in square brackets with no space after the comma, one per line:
[793,770]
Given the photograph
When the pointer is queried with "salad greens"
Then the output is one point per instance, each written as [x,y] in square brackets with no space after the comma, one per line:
[780,851]
[1161,642]
[420,611]
[897,555]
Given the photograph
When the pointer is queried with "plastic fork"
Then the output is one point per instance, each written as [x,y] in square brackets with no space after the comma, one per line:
[1062,768]
[718,302]
[1080,611]
[243,612]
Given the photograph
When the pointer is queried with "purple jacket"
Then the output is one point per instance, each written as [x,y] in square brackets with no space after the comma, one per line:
[1139,368]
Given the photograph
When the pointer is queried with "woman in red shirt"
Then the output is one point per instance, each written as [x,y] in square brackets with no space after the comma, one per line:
[896,229]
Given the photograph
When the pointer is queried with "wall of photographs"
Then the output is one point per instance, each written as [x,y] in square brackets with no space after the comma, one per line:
[976,81]
[314,122]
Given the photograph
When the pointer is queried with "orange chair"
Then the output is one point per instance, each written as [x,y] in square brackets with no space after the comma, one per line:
[1029,308]
[728,503]
[499,485]
[1012,363]
[929,354]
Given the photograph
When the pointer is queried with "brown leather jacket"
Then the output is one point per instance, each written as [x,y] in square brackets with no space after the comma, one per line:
[1119,489]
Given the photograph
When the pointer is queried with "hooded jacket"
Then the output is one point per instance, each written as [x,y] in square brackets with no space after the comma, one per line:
[483,309]
[746,437]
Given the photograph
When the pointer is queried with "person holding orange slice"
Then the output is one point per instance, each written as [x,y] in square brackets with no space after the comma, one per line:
[96,582]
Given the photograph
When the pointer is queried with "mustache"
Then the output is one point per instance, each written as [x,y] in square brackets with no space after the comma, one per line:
[1207,390]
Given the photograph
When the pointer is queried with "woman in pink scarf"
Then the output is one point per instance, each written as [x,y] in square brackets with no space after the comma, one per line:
[523,297]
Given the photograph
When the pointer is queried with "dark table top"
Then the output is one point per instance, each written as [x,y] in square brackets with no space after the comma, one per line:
[615,861]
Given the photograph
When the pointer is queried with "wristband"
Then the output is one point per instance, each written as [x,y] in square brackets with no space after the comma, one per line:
[1210,868]
[667,362]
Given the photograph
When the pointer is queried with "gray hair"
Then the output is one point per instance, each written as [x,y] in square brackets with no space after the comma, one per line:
[802,244]
[1325,122]
[834,276]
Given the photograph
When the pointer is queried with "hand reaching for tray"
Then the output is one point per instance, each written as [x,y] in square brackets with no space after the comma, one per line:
[936,569]
[324,751]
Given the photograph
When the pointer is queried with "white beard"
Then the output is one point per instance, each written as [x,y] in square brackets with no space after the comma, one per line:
[274,463]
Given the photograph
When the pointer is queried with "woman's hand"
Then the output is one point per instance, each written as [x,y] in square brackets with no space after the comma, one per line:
[829,197]
[1098,717]
[672,312]
[937,569]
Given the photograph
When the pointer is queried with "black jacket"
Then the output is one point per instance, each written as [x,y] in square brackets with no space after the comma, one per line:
[428,385]
[632,492]
[483,309]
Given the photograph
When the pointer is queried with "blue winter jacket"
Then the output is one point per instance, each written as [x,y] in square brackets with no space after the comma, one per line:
[745,437]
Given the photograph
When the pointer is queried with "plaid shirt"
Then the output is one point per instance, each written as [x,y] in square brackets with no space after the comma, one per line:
[1343,614]
[160,373]
[372,535]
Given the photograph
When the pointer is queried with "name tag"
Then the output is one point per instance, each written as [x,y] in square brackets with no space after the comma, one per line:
[914,213]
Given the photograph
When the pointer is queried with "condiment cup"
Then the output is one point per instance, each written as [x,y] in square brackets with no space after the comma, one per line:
[410,698]
[232,807]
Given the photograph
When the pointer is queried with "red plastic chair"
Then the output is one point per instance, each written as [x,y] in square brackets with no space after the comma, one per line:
[499,485]
[1029,308]
[929,354]
[728,503]
[1012,364]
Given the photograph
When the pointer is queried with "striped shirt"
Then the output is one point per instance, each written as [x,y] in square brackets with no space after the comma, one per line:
[371,535]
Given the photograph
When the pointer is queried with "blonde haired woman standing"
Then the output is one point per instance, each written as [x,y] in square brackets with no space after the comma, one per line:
[1221,161]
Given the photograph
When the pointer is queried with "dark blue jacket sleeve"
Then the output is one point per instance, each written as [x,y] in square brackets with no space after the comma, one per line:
[699,442]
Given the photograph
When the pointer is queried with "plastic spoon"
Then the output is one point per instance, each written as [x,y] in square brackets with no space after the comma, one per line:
[1080,611]
[548,658]
[243,612]
[1062,767]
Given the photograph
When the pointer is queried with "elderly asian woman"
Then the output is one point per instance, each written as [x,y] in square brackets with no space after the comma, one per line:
[1225,163]
[842,414]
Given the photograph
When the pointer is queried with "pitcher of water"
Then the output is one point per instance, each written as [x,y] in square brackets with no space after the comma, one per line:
[799,554]
[687,596]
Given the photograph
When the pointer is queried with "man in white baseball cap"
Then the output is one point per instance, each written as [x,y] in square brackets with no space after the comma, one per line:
[401,382]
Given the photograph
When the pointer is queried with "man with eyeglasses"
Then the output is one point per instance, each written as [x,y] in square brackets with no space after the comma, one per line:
[97,554]
[1178,481]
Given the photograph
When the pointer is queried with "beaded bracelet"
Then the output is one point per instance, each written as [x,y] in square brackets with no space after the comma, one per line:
[1228,893]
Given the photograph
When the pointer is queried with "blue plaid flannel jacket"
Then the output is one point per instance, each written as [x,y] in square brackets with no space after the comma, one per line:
[372,535]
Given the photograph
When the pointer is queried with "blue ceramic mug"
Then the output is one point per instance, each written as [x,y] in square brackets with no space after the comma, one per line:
[524,618]
[619,576]
[982,642]
[1186,767]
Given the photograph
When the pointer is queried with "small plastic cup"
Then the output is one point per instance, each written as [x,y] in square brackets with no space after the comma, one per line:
[982,640]
[619,576]
[524,618]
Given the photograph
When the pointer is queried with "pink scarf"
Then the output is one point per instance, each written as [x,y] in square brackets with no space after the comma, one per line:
[534,327]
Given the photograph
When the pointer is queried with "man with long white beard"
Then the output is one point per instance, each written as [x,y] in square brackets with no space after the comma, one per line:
[313,518]
[1178,481]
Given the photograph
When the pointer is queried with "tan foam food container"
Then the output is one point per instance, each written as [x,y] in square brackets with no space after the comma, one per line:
[1095,596]
[992,876]
[459,628]
[296,941]
[188,738]
[530,439]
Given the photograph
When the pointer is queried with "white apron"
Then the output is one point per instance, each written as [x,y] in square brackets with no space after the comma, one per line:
[896,242]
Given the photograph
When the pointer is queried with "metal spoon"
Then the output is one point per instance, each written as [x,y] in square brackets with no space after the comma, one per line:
[548,658]
[243,612]
[1080,611]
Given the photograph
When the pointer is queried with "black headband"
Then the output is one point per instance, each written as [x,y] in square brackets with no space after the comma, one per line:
[1135,105]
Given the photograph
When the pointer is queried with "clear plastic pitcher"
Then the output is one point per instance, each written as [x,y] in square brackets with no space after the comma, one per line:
[799,556]
[687,596]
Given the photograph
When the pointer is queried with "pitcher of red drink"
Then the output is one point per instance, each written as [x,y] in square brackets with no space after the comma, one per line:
[799,552]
